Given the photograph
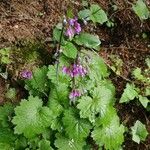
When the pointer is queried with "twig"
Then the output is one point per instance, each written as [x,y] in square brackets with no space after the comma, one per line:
[123,77]
[128,48]
[117,12]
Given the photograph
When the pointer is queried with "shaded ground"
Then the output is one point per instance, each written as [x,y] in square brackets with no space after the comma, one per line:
[34,19]
[2,90]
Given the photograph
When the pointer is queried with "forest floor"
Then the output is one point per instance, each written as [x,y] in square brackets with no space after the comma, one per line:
[33,20]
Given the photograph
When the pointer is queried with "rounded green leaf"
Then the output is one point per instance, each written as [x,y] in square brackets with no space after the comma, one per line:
[57,35]
[69,50]
[88,40]
[64,143]
[98,15]
[84,14]
[31,118]
[129,93]
[141,10]
[44,145]
[110,135]
[139,132]
[144,101]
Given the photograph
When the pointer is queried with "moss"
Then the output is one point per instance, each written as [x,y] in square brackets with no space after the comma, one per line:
[27,55]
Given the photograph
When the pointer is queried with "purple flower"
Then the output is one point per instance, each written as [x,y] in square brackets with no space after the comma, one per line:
[26,74]
[77,27]
[74,94]
[79,70]
[75,70]
[73,28]
[70,32]
[82,71]
[65,70]
[72,21]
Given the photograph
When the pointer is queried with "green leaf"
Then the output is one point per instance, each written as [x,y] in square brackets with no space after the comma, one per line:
[69,50]
[148,62]
[64,61]
[110,23]
[59,26]
[54,105]
[129,93]
[39,81]
[31,118]
[141,10]
[70,12]
[106,117]
[44,145]
[57,34]
[5,146]
[97,68]
[89,107]
[88,40]
[85,3]
[138,75]
[147,91]
[7,139]
[33,143]
[5,114]
[63,143]
[139,132]
[21,143]
[57,77]
[7,136]
[144,101]
[11,94]
[76,128]
[110,135]
[60,93]
[97,14]
[84,14]
[58,101]
[57,124]
[5,60]
[4,56]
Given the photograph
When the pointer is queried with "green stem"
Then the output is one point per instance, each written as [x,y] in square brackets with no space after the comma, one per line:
[58,49]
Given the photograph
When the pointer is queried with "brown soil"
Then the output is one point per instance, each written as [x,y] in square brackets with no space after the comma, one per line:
[34,19]
[2,90]
[28,19]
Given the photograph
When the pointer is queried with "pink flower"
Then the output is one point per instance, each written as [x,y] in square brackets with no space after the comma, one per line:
[65,70]
[74,94]
[82,71]
[77,27]
[70,32]
[75,70]
[26,74]
[73,28]
[72,21]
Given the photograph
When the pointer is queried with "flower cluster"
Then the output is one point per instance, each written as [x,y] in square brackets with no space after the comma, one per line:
[26,74]
[73,28]
[74,93]
[75,70]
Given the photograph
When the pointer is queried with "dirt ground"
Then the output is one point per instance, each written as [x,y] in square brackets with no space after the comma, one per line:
[2,90]
[34,20]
